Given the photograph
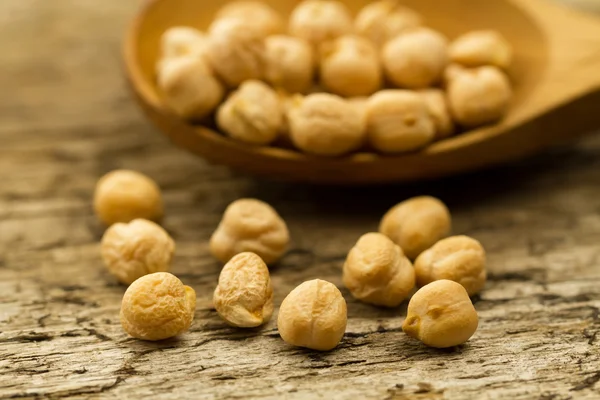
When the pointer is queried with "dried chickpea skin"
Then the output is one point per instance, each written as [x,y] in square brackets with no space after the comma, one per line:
[252,114]
[256,14]
[416,224]
[350,66]
[318,21]
[157,306]
[250,225]
[478,96]
[313,315]
[458,258]
[124,195]
[480,48]
[415,59]
[398,121]
[377,272]
[326,125]
[383,20]
[244,296]
[132,250]
[441,315]
[289,63]
[189,88]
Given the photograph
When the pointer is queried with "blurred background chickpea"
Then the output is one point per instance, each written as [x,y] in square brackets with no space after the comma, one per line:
[326,125]
[189,88]
[458,258]
[289,63]
[350,66]
[415,59]
[480,48]
[123,195]
[479,96]
[383,20]
[252,114]
[416,224]
[256,14]
[398,121]
[376,271]
[181,41]
[318,21]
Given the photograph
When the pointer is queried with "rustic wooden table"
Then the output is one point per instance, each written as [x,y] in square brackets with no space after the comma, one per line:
[67,118]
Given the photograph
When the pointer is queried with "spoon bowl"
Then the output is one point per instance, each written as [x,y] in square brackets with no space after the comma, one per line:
[555,73]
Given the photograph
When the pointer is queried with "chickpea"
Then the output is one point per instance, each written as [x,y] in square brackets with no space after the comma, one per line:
[415,59]
[377,272]
[259,16]
[398,121]
[318,21]
[458,258]
[253,114]
[479,96]
[235,51]
[244,296]
[132,250]
[157,306]
[416,224]
[435,100]
[441,315]
[289,63]
[250,225]
[313,315]
[383,20]
[326,125]
[189,88]
[350,66]
[480,48]
[124,195]
[181,41]
[288,103]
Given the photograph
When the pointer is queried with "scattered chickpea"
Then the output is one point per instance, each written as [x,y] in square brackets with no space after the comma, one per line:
[289,63]
[157,306]
[235,51]
[256,14]
[318,21]
[132,250]
[181,41]
[441,315]
[189,87]
[326,125]
[398,121]
[253,114]
[244,296]
[480,48]
[479,96]
[458,258]
[313,315]
[250,225]
[383,20]
[124,195]
[416,224]
[377,272]
[350,66]
[415,59]
[437,105]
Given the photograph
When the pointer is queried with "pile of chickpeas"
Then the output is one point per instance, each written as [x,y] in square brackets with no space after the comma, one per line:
[412,249]
[329,85]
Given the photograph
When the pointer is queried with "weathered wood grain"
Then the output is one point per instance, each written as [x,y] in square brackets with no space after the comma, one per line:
[66,119]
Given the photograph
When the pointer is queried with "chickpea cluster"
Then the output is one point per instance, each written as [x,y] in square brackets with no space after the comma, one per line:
[415,85]
[413,249]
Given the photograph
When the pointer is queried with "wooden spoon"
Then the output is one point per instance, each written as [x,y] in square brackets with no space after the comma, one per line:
[556,74]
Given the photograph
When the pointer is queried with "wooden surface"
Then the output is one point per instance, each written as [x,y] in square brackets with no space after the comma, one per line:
[550,43]
[66,119]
